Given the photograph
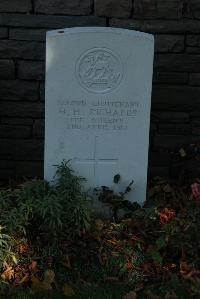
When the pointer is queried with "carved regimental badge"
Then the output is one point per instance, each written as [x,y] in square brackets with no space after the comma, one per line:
[99,70]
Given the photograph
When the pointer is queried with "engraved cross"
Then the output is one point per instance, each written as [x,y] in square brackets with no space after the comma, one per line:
[95,162]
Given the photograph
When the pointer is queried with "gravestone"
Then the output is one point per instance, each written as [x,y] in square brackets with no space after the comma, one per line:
[98,98]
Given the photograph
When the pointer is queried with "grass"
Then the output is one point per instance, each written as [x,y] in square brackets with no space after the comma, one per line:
[87,291]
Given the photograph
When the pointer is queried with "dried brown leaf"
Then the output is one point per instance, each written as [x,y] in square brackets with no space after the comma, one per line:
[130,295]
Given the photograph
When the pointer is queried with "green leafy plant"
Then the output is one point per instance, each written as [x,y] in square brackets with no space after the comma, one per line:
[40,208]
[38,218]
[6,246]
[74,200]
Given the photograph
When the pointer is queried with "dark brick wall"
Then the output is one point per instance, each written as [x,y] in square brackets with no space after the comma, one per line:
[175,119]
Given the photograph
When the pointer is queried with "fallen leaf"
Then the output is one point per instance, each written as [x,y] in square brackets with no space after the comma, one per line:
[49,278]
[23,248]
[25,278]
[196,191]
[8,274]
[68,290]
[130,295]
[66,261]
[36,284]
[166,215]
[33,266]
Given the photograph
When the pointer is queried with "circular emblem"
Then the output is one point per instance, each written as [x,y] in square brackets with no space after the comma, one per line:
[99,70]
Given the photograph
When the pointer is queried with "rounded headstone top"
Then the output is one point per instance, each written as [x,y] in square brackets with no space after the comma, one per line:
[113,30]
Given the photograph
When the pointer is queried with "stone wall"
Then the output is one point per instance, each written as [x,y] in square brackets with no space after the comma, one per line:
[175,119]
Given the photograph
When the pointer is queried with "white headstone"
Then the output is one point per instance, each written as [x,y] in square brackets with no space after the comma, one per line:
[98,96]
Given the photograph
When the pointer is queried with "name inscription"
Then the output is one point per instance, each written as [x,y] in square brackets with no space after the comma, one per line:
[103,115]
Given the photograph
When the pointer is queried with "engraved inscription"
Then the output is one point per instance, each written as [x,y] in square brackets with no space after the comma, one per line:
[98,115]
[99,70]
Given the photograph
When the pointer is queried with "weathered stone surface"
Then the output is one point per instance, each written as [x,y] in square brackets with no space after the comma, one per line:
[158,26]
[195,79]
[52,22]
[157,158]
[16,121]
[192,9]
[193,50]
[38,128]
[144,9]
[22,109]
[178,168]
[195,139]
[158,170]
[6,164]
[19,90]
[42,91]
[27,34]
[3,32]
[170,117]
[31,70]
[193,40]
[6,174]
[26,149]
[168,9]
[7,69]
[22,49]
[113,8]
[195,119]
[171,142]
[15,5]
[195,114]
[193,168]
[75,7]
[174,98]
[170,77]
[175,129]
[169,43]
[174,62]
[196,131]
[153,128]
[196,126]
[29,169]
[14,131]
[159,164]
